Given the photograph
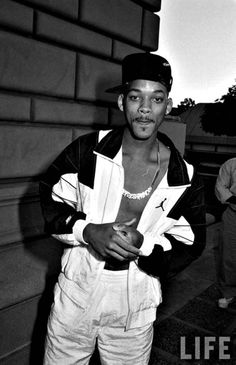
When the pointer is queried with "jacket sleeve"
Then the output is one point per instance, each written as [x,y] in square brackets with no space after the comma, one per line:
[223,183]
[59,197]
[190,209]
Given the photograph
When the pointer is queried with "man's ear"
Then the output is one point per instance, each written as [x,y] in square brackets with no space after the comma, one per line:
[169,106]
[120,102]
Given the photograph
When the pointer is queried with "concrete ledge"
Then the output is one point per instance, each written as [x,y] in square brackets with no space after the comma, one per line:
[34,148]
[153,5]
[77,132]
[26,220]
[62,112]
[17,326]
[17,356]
[25,268]
[116,118]
[14,107]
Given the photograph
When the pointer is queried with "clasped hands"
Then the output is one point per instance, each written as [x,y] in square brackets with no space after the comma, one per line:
[119,241]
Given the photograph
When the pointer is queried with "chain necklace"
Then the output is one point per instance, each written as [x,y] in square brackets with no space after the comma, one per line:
[143,194]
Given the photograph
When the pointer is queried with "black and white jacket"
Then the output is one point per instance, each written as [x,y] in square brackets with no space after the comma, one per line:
[85,184]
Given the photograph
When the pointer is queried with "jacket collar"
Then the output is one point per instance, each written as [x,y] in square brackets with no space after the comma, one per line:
[177,170]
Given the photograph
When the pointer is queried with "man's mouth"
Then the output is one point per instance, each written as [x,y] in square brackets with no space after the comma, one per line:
[144,120]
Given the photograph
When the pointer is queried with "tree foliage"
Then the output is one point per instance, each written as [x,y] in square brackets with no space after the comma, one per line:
[219,118]
[230,96]
[185,105]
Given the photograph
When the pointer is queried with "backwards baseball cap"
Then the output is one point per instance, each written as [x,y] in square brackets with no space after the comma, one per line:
[144,66]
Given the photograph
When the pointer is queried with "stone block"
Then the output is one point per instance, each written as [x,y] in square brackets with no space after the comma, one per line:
[21,356]
[72,34]
[23,328]
[116,118]
[17,326]
[95,76]
[14,107]
[34,148]
[120,50]
[31,66]
[25,268]
[77,132]
[25,221]
[16,15]
[67,8]
[17,190]
[60,112]
[150,33]
[118,17]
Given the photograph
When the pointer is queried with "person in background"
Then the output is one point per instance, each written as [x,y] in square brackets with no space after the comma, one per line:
[130,210]
[225,190]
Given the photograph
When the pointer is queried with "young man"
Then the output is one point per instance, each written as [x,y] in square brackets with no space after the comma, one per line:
[131,211]
[225,190]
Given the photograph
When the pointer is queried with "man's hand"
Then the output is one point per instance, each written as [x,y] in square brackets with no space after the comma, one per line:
[231,200]
[129,234]
[109,241]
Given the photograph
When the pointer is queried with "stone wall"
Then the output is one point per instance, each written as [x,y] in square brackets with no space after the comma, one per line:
[56,59]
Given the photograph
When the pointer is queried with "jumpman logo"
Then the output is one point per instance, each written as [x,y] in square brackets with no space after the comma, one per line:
[161,205]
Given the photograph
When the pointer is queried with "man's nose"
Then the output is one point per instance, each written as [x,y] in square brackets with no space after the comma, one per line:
[145,107]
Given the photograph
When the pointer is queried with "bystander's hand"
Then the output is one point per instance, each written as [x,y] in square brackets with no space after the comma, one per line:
[109,241]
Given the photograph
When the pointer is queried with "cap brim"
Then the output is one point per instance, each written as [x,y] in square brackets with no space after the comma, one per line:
[116,90]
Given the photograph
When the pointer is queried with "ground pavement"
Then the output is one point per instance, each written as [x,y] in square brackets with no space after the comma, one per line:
[189,310]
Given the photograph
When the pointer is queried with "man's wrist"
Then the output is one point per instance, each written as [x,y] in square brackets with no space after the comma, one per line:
[78,231]
[86,231]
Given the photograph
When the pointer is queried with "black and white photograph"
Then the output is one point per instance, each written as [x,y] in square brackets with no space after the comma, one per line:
[117,182]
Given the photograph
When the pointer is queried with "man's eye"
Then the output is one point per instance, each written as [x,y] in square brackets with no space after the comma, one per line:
[133,97]
[158,100]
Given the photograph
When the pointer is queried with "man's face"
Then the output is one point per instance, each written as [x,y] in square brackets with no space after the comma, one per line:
[145,105]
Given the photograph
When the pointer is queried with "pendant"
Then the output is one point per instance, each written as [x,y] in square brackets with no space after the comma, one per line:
[146,192]
[137,196]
